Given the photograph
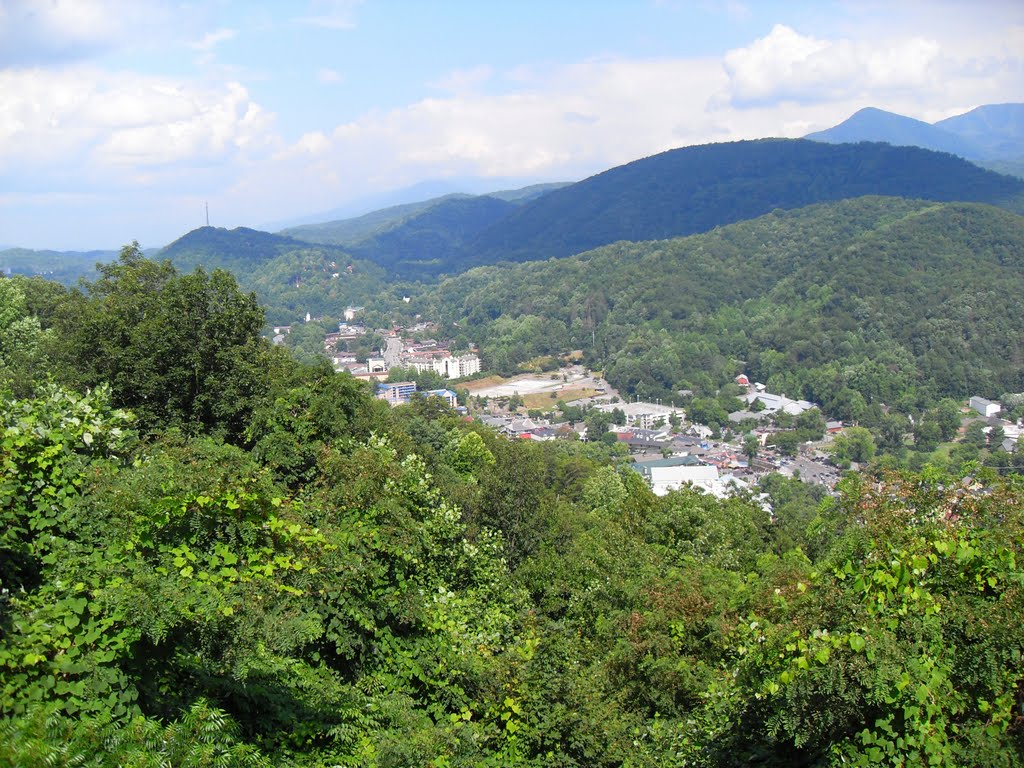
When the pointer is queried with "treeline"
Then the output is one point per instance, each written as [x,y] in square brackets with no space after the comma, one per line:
[212,554]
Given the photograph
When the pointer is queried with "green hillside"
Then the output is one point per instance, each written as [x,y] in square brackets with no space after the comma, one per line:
[213,554]
[696,189]
[418,240]
[349,231]
[290,277]
[65,267]
[432,241]
[884,297]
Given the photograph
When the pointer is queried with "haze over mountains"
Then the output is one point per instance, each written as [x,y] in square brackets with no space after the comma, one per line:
[992,135]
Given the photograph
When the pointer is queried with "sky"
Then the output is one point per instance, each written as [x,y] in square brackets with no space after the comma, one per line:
[122,120]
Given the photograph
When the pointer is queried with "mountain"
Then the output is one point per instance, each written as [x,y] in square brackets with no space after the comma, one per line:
[872,124]
[695,189]
[349,231]
[526,194]
[430,240]
[860,301]
[290,277]
[354,230]
[996,130]
[991,135]
[417,193]
[236,250]
[66,267]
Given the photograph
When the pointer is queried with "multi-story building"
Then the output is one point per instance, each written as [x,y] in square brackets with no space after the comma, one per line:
[396,392]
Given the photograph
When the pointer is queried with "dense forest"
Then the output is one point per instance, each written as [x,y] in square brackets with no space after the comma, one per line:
[211,554]
[872,300]
[695,189]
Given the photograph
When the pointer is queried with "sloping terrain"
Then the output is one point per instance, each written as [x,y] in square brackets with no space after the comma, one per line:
[871,124]
[875,296]
[695,189]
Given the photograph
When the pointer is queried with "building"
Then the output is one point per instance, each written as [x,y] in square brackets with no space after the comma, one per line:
[666,475]
[396,392]
[773,403]
[985,407]
[644,415]
[445,394]
[459,367]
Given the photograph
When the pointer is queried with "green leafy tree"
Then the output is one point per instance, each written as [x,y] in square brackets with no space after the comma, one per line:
[181,351]
[854,444]
[21,340]
[975,434]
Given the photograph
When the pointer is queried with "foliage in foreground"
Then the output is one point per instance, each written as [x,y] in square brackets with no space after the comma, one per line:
[307,577]
[173,598]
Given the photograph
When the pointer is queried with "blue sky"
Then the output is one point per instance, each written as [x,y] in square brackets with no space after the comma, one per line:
[119,119]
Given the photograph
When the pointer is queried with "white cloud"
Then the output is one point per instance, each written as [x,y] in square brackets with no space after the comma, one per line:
[89,117]
[211,40]
[36,32]
[785,65]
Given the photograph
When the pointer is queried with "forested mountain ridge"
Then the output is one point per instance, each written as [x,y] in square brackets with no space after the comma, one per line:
[882,297]
[65,267]
[434,239]
[291,277]
[997,130]
[237,250]
[695,189]
[347,232]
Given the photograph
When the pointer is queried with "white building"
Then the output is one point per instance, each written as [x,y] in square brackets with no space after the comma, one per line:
[985,407]
[458,367]
[644,415]
[775,403]
[670,475]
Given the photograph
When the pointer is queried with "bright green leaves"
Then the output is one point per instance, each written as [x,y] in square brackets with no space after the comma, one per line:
[903,628]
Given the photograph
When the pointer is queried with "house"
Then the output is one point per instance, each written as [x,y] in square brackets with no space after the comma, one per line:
[985,407]
[742,380]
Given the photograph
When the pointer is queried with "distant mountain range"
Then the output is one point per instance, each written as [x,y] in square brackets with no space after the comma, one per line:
[321,268]
[680,192]
[65,267]
[992,135]
[423,191]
